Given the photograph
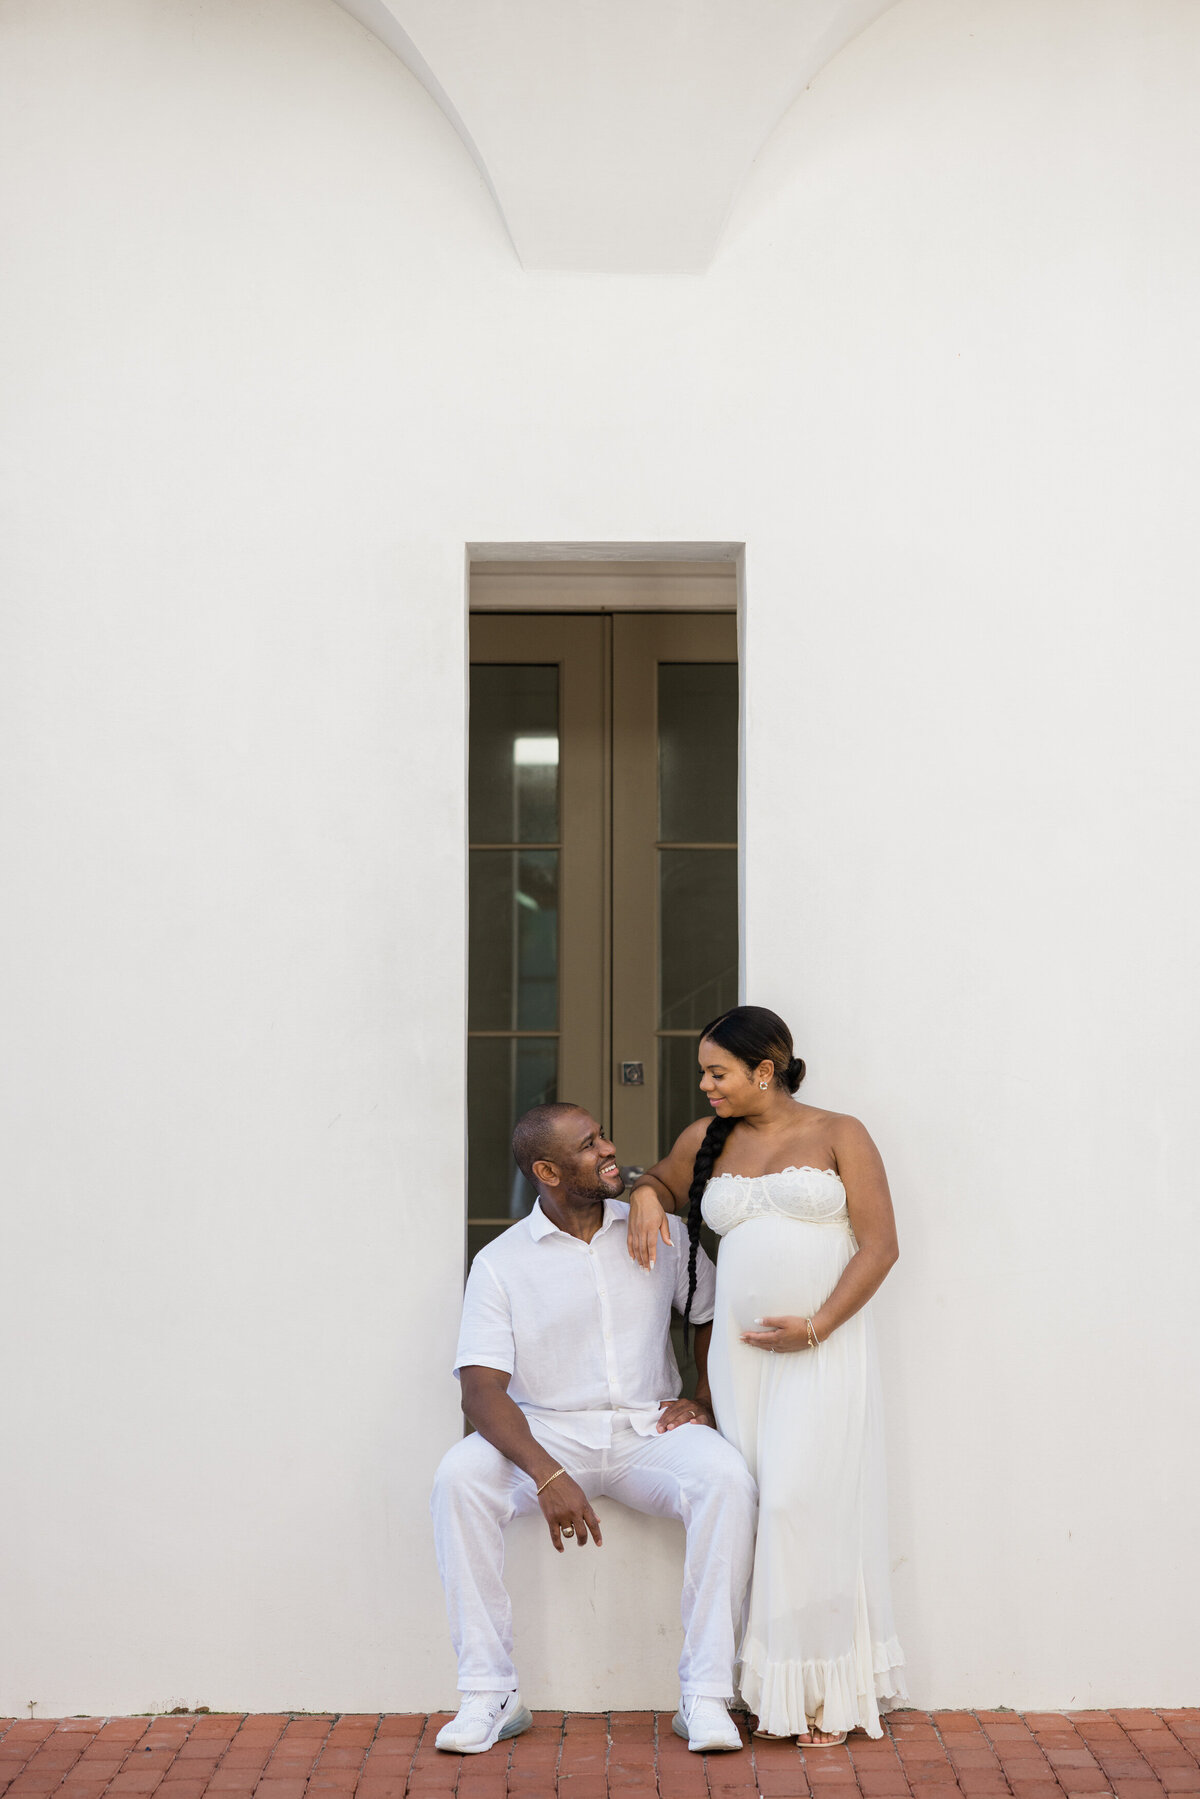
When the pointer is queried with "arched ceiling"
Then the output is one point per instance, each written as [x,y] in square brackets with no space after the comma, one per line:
[615,134]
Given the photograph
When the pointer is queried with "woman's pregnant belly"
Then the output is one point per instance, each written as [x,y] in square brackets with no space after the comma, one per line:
[773,1266]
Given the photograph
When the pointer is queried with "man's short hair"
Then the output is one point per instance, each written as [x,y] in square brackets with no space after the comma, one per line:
[536,1134]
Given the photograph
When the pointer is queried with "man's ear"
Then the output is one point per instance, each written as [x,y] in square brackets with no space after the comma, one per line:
[546,1174]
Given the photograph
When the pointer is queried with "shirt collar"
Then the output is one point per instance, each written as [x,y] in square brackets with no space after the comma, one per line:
[540,1226]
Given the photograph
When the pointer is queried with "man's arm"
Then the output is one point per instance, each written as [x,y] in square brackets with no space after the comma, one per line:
[502,1423]
[692,1411]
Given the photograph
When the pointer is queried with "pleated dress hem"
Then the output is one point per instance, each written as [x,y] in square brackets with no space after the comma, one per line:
[838,1695]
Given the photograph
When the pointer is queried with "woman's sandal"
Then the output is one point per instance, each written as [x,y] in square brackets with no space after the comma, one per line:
[833,1742]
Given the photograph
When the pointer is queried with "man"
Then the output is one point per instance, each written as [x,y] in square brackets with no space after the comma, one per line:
[567,1374]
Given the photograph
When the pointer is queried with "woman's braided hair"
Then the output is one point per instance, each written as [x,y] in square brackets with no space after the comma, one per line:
[753,1034]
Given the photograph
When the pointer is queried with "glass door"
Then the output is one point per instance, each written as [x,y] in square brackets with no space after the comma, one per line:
[603,796]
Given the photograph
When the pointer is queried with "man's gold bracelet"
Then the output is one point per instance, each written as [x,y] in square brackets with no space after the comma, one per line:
[549,1478]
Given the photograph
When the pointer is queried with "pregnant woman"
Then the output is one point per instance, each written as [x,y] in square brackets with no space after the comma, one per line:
[800,1200]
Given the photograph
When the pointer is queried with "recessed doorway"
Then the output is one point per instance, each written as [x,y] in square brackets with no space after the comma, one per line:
[603,804]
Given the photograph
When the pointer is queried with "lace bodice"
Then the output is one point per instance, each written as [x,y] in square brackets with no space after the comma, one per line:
[808,1195]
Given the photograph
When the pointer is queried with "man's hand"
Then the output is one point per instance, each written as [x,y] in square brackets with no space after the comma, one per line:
[647,1223]
[567,1512]
[674,1412]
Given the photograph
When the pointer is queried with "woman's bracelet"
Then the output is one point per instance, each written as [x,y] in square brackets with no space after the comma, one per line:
[814,1342]
[549,1478]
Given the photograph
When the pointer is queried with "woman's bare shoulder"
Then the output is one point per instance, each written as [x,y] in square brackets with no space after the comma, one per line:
[850,1138]
[841,1131]
[845,1124]
[823,1118]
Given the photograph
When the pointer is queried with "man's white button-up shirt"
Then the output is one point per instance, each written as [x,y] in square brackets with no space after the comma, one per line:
[582,1330]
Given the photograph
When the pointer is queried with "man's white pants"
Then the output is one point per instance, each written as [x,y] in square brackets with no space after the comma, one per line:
[689,1473]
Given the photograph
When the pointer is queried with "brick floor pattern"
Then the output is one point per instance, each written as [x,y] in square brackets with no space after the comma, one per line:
[618,1755]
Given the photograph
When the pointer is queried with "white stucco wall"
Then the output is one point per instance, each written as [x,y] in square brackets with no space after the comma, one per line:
[269,365]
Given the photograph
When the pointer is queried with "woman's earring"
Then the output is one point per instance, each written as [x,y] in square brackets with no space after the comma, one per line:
[764,1085]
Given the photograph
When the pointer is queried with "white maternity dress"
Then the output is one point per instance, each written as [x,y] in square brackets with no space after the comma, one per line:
[819,1641]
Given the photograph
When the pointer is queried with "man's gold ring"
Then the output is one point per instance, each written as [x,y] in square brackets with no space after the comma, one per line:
[568,1530]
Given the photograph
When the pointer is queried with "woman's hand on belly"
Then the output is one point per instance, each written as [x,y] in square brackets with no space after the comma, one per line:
[779,1333]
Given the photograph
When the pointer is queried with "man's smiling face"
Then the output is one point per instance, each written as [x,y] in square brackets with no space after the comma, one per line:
[586,1160]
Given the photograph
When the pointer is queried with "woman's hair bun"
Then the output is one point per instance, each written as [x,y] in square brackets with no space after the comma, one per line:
[755,1035]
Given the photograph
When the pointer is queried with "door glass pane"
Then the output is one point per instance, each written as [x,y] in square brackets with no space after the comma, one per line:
[513,781]
[698,936]
[479,1234]
[680,1101]
[505,1076]
[513,940]
[697,752]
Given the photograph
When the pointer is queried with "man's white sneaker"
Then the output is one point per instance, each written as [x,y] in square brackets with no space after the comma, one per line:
[706,1724]
[484,1719]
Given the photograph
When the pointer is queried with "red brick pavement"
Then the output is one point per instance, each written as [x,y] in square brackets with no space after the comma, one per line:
[625,1755]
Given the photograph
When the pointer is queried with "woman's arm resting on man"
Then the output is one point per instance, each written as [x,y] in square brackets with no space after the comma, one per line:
[662,1189]
[502,1423]
[874,1224]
